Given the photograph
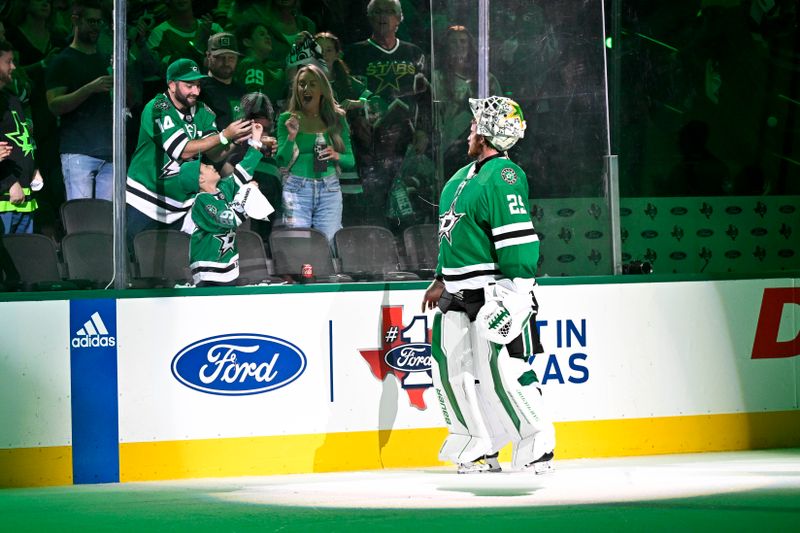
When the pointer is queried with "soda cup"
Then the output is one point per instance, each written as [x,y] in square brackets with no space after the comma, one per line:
[307,272]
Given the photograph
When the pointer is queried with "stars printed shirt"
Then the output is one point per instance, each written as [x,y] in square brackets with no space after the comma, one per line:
[16,130]
[387,73]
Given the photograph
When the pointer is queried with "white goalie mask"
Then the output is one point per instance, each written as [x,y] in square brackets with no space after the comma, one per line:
[499,120]
[506,311]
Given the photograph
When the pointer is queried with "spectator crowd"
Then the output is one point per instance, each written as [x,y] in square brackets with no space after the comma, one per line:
[342,103]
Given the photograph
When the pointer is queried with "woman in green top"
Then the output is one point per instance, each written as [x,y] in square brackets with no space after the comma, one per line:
[312,197]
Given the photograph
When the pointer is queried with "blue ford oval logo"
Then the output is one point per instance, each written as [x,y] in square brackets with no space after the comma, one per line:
[705,232]
[649,234]
[787,209]
[566,258]
[786,253]
[679,210]
[594,234]
[565,212]
[758,232]
[625,211]
[415,357]
[733,210]
[677,256]
[733,254]
[238,364]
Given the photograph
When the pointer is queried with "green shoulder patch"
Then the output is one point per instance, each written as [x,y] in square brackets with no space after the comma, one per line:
[509,175]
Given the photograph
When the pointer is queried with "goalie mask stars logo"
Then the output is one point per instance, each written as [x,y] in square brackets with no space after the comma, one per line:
[447,222]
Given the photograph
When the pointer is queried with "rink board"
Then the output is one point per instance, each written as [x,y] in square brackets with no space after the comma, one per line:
[292,380]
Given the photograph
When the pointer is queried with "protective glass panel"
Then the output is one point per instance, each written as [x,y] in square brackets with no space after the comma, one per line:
[705,125]
[547,56]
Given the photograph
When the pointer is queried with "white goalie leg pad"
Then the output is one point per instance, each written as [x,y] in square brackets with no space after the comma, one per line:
[537,435]
[491,389]
[455,390]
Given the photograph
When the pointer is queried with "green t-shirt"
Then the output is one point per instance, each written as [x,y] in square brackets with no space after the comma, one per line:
[485,228]
[258,76]
[304,142]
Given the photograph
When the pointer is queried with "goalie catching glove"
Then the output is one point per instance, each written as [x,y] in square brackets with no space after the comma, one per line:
[509,306]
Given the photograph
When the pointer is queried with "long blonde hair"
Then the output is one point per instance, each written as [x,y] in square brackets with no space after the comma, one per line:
[329,109]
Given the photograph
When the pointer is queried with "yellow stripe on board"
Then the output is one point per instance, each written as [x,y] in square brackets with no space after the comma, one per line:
[678,434]
[286,454]
[35,467]
[369,450]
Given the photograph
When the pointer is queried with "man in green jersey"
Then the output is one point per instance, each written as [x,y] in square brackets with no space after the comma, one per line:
[175,128]
[488,254]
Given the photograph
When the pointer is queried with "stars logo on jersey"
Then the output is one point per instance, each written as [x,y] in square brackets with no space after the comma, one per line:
[405,352]
[161,103]
[227,241]
[389,74]
[447,222]
[509,175]
[170,168]
[21,137]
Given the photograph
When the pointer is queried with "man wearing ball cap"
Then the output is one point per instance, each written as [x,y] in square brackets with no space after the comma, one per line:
[488,253]
[175,128]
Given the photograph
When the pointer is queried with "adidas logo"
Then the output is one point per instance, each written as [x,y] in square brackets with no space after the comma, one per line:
[93,334]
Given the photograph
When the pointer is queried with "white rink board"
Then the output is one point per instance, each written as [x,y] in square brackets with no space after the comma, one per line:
[35,375]
[651,350]
[667,349]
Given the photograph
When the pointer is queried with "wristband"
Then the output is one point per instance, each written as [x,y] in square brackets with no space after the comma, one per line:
[255,144]
[222,139]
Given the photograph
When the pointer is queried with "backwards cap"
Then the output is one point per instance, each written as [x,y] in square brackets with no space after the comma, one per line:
[499,120]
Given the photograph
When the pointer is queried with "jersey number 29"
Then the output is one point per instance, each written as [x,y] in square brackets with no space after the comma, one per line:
[515,205]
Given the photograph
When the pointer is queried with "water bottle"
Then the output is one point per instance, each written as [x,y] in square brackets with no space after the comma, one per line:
[320,165]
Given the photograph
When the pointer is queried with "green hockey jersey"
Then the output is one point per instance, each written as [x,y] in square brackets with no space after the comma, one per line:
[485,228]
[152,186]
[213,254]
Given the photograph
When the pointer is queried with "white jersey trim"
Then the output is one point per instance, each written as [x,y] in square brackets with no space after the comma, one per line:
[219,272]
[384,50]
[517,226]
[477,282]
[469,268]
[241,176]
[516,241]
[168,211]
[175,153]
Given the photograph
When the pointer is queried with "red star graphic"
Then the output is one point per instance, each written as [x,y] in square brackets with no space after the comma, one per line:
[393,318]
